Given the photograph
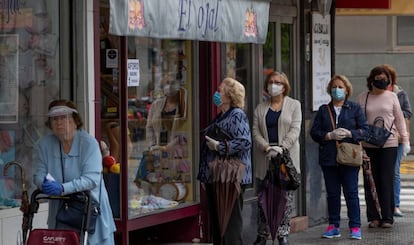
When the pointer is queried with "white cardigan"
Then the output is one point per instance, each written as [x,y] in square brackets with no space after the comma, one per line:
[289,126]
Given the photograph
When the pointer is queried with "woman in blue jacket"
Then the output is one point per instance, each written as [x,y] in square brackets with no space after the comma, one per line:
[351,126]
[233,120]
[69,160]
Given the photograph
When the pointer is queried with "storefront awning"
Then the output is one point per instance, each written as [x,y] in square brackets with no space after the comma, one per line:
[235,21]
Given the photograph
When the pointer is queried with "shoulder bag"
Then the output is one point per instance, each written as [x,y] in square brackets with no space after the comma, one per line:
[347,153]
[377,133]
[79,210]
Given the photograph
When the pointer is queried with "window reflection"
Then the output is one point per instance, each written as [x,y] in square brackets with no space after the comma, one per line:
[159,161]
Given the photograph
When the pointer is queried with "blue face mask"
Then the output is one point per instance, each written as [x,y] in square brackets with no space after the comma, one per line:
[217,98]
[338,93]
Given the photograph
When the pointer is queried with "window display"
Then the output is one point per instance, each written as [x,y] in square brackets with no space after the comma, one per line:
[162,133]
[159,142]
[29,79]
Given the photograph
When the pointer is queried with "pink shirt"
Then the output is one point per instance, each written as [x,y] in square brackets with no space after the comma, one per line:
[388,107]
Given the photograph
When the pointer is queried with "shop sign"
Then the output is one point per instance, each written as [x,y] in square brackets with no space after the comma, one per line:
[321,59]
[236,21]
[370,4]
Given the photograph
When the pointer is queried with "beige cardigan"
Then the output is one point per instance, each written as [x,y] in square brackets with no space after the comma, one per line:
[289,127]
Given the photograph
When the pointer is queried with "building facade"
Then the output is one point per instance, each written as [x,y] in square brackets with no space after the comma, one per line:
[74,50]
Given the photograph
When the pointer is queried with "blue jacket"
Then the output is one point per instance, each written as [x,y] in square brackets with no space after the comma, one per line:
[351,118]
[236,125]
[82,168]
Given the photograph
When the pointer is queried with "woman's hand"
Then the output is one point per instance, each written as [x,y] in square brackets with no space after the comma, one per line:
[345,132]
[212,143]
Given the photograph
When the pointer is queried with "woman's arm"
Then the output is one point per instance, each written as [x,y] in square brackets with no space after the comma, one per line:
[293,133]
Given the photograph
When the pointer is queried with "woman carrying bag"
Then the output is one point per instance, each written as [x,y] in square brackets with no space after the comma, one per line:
[350,126]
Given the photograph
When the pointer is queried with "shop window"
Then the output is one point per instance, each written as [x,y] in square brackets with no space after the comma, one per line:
[30,70]
[160,157]
[405,31]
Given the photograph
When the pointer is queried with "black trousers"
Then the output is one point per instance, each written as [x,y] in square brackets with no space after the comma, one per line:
[382,166]
[233,234]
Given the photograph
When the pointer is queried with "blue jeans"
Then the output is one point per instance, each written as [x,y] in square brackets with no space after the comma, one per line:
[397,179]
[347,178]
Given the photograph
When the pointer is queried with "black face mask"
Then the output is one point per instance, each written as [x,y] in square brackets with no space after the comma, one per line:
[381,84]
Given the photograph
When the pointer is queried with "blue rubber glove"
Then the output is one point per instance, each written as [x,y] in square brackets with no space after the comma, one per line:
[52,188]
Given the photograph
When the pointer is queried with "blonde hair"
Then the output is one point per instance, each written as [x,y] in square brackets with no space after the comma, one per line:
[235,91]
[346,82]
[285,81]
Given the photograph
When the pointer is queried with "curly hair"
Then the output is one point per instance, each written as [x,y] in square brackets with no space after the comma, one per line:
[378,70]
[235,91]
[393,73]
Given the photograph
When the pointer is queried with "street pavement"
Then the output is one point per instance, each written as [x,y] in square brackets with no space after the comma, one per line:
[402,232]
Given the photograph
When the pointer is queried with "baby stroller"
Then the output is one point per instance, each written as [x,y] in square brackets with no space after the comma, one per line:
[57,236]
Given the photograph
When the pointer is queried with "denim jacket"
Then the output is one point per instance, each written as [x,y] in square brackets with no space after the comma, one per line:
[351,118]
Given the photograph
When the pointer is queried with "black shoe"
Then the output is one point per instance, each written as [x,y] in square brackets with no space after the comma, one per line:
[283,240]
[260,240]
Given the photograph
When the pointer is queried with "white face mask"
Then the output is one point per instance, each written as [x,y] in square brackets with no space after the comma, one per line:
[171,89]
[275,89]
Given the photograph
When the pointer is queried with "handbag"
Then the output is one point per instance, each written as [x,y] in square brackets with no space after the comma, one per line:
[79,210]
[347,153]
[215,132]
[282,172]
[377,133]
[75,214]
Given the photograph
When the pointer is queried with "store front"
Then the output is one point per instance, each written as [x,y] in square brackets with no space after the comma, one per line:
[171,63]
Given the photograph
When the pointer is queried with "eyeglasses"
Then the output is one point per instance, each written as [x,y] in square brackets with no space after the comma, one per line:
[275,82]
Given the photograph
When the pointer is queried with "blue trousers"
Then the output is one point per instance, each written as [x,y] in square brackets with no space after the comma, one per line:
[397,179]
[347,178]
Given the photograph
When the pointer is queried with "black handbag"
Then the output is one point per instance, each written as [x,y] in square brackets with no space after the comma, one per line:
[282,172]
[377,133]
[215,132]
[79,210]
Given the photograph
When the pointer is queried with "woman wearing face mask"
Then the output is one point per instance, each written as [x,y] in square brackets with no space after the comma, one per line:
[162,117]
[379,101]
[233,120]
[350,126]
[276,126]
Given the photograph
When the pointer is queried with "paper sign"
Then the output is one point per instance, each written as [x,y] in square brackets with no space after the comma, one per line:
[133,72]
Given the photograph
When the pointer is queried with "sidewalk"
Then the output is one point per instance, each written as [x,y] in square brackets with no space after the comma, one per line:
[402,232]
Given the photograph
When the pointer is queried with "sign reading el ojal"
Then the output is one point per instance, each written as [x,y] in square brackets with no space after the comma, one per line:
[237,21]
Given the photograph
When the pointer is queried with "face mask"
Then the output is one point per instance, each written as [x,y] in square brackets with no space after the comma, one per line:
[381,84]
[338,93]
[171,89]
[217,98]
[275,89]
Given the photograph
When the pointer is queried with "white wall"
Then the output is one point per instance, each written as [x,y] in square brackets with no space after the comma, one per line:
[11,223]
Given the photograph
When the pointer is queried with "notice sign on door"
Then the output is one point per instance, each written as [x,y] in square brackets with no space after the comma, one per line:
[111,58]
[133,72]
